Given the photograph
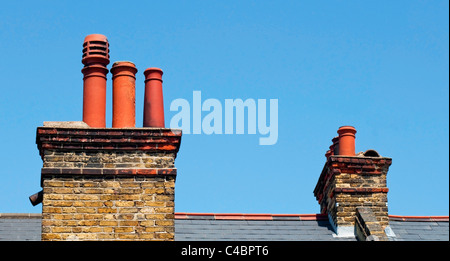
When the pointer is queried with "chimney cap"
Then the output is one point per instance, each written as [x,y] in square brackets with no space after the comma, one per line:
[123,68]
[127,63]
[95,50]
[346,129]
[152,69]
[95,37]
[124,64]
[153,73]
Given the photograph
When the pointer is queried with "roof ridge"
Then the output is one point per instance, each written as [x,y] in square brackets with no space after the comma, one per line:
[268,216]
[249,216]
[256,216]
[418,218]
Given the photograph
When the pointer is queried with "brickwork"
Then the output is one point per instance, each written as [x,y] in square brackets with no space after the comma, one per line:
[367,226]
[350,182]
[108,184]
[82,159]
[108,208]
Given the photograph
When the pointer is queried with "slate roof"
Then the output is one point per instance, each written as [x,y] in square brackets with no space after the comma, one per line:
[20,227]
[288,228]
[420,228]
[254,227]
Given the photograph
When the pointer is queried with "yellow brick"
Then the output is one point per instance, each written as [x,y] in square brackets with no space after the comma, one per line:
[71,196]
[108,223]
[107,210]
[93,203]
[92,216]
[155,203]
[92,191]
[109,216]
[60,203]
[130,185]
[48,183]
[78,216]
[76,229]
[124,203]
[70,184]
[128,210]
[127,236]
[106,236]
[147,223]
[154,229]
[128,223]
[69,210]
[123,229]
[50,236]
[126,216]
[88,184]
[154,191]
[88,223]
[70,223]
[164,210]
[53,197]
[164,235]
[86,236]
[91,229]
[154,216]
[108,230]
[132,196]
[63,216]
[78,203]
[61,229]
[86,210]
[51,209]
[164,222]
[62,190]
[89,197]
[147,236]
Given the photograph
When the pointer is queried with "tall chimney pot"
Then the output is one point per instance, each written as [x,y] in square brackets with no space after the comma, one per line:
[124,94]
[153,100]
[346,140]
[95,58]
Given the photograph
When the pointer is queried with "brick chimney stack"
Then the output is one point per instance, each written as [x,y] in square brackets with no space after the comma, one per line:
[107,183]
[352,189]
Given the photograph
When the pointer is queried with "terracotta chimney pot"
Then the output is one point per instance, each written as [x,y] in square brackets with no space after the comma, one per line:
[124,94]
[335,146]
[347,140]
[95,58]
[153,100]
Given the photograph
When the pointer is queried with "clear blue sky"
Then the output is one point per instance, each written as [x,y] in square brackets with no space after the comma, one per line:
[381,66]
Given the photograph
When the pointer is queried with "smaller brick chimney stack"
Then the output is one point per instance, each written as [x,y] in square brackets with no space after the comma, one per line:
[95,59]
[352,189]
[153,100]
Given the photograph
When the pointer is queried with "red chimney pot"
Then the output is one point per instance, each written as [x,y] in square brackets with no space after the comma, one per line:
[124,94]
[95,58]
[153,100]
[347,140]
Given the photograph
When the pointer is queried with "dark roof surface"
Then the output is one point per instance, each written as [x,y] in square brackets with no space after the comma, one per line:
[253,230]
[255,227]
[20,227]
